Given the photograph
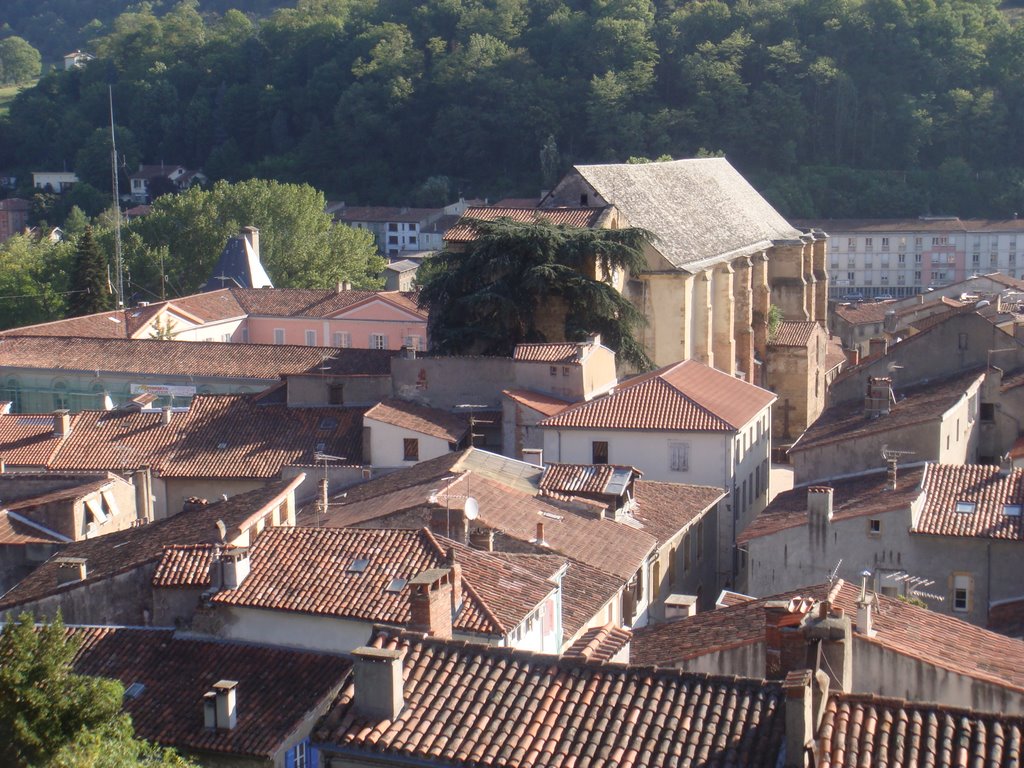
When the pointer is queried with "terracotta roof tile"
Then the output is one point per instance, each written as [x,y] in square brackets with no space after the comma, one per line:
[865,312]
[914,405]
[870,730]
[587,478]
[666,508]
[599,643]
[793,334]
[418,418]
[28,439]
[151,356]
[126,550]
[685,397]
[17,531]
[984,493]
[1007,618]
[480,706]
[277,688]
[309,570]
[102,440]
[296,302]
[859,496]
[565,353]
[934,638]
[537,401]
[578,218]
[185,565]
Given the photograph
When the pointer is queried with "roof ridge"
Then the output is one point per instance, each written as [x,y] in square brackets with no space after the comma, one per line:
[697,404]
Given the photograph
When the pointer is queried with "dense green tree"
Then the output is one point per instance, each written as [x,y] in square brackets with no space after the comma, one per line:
[33,278]
[517,280]
[19,61]
[89,283]
[300,246]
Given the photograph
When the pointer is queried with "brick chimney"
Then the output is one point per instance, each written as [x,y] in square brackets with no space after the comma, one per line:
[377,674]
[785,647]
[61,422]
[220,706]
[430,603]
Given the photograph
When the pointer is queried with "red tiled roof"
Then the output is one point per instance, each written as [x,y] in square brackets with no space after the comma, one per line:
[1007,618]
[933,638]
[577,218]
[308,570]
[684,397]
[565,353]
[28,440]
[852,497]
[985,487]
[793,334]
[482,706]
[834,355]
[18,532]
[277,687]
[123,551]
[666,508]
[296,302]
[865,312]
[185,565]
[418,418]
[233,436]
[541,403]
[584,478]
[115,440]
[858,730]
[200,359]
[727,598]
[599,643]
[914,405]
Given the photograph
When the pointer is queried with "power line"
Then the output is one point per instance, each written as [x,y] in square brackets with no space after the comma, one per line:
[44,295]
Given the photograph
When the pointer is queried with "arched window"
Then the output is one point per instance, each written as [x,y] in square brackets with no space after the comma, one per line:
[60,394]
[99,393]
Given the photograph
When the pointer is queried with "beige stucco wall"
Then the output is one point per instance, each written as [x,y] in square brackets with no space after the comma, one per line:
[387,445]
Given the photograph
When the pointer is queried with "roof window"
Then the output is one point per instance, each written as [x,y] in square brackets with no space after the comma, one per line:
[328,422]
[966,507]
[134,690]
[396,585]
[1012,510]
[358,565]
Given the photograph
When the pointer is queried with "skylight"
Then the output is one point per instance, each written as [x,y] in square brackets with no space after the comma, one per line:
[1012,510]
[966,507]
[358,565]
[396,585]
[328,422]
[134,690]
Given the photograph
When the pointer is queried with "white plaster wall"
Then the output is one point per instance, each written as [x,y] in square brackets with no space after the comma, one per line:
[387,446]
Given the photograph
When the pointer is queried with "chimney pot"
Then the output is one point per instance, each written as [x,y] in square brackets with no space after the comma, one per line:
[165,415]
[379,693]
[210,710]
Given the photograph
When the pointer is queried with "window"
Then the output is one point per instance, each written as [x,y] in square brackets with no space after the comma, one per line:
[940,240]
[392,239]
[851,243]
[410,449]
[310,338]
[378,341]
[869,244]
[917,258]
[961,341]
[553,370]
[60,395]
[358,565]
[566,370]
[342,339]
[885,243]
[975,258]
[874,527]
[1012,510]
[851,276]
[392,226]
[902,258]
[413,342]
[300,756]
[336,394]
[279,335]
[599,452]
[966,507]
[396,586]
[917,277]
[917,242]
[679,457]
[987,412]
[962,592]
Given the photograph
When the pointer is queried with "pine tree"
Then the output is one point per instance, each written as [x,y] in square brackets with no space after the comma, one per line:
[89,280]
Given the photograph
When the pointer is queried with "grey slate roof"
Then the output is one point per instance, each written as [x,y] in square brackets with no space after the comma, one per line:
[701,211]
[238,266]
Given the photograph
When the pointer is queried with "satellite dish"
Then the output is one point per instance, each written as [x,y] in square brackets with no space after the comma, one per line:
[472,508]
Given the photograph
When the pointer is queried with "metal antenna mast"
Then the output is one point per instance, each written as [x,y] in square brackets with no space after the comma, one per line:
[117,205]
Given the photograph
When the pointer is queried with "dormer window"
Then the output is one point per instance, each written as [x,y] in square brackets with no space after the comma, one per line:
[966,507]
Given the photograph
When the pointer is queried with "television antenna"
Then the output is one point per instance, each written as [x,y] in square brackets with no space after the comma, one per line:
[471,507]
[471,407]
[834,574]
[915,585]
[322,501]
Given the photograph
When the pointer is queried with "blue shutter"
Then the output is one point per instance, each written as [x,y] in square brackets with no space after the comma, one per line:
[289,758]
[314,757]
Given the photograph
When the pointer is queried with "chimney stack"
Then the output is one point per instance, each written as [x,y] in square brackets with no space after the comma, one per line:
[879,398]
[379,693]
[252,236]
[819,504]
[877,347]
[220,710]
[865,604]
[785,648]
[430,603]
[834,632]
[540,541]
[806,695]
[234,564]
[456,583]
[70,569]
[165,415]
[533,456]
[61,422]
[482,538]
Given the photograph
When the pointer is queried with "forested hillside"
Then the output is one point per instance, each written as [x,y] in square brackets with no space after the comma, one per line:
[832,107]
